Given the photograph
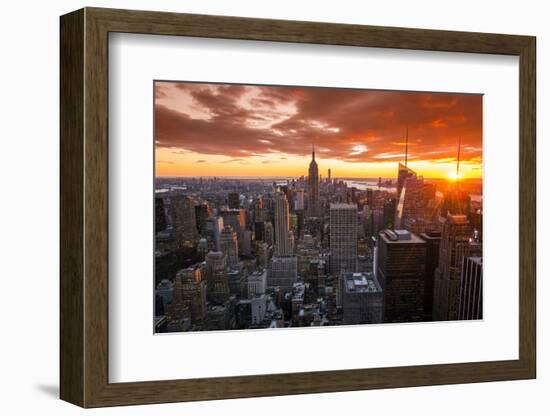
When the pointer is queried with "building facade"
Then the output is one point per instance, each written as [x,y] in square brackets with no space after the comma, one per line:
[343,238]
[401,271]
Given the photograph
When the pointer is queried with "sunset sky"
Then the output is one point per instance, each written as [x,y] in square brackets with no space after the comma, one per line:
[241,130]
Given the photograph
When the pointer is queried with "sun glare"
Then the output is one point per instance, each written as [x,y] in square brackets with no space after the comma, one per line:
[453,176]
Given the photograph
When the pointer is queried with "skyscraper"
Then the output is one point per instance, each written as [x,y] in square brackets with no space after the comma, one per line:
[313,186]
[190,294]
[218,288]
[433,240]
[184,220]
[160,216]
[471,289]
[401,268]
[233,200]
[362,299]
[455,244]
[343,238]
[282,226]
[229,245]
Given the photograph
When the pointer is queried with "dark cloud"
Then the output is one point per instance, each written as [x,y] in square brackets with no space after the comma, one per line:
[347,124]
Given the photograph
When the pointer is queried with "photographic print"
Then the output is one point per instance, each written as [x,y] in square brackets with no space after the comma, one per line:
[293,207]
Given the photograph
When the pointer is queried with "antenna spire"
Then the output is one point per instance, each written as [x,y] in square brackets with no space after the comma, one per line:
[458,157]
[313,150]
[406,145]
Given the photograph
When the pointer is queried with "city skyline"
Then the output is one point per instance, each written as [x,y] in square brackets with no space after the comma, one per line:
[228,130]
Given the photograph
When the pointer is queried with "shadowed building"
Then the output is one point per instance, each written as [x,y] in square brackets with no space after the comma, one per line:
[470,305]
[218,288]
[362,299]
[401,268]
[456,243]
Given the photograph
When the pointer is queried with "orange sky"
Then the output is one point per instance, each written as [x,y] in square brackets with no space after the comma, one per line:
[241,130]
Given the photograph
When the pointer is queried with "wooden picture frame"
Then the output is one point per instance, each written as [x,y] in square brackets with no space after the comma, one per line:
[84,207]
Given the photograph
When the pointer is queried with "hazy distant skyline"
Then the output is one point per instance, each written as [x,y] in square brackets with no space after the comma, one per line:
[206,129]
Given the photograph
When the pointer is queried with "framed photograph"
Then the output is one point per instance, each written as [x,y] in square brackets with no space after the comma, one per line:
[255,207]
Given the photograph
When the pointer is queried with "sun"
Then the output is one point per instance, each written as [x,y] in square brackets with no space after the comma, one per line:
[453,176]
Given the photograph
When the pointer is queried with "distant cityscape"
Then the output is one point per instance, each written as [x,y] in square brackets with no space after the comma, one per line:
[239,252]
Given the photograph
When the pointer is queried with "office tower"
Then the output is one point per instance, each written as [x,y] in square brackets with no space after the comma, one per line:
[229,245]
[259,214]
[433,240]
[362,298]
[190,294]
[343,238]
[329,175]
[263,255]
[403,172]
[416,209]
[269,236]
[258,309]
[218,288]
[455,245]
[313,186]
[236,218]
[282,226]
[213,229]
[299,201]
[259,231]
[401,269]
[184,221]
[160,215]
[202,248]
[233,200]
[283,272]
[257,283]
[246,246]
[203,213]
[455,200]
[470,305]
[165,291]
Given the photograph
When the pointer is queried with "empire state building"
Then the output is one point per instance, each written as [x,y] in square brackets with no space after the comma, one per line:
[313,186]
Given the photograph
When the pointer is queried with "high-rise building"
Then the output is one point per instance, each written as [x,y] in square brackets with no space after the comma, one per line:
[203,213]
[470,305]
[233,200]
[214,228]
[432,239]
[218,288]
[362,299]
[282,226]
[160,215]
[456,243]
[299,202]
[259,214]
[257,283]
[190,294]
[403,172]
[401,269]
[343,238]
[229,245]
[269,236]
[283,272]
[184,221]
[313,187]
[236,218]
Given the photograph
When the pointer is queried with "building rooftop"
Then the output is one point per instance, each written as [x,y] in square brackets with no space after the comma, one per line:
[361,283]
[342,205]
[400,237]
